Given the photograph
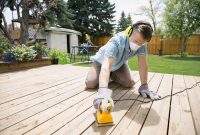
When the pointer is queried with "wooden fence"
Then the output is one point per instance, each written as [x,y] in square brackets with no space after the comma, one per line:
[167,45]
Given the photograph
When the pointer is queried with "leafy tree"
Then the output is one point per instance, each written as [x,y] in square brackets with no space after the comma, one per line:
[182,19]
[51,12]
[152,11]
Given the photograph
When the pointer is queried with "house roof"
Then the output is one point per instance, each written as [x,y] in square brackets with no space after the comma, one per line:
[70,31]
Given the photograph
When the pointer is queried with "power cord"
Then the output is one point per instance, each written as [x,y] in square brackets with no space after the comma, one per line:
[162,97]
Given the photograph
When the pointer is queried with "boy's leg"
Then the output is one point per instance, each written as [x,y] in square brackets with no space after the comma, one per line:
[92,79]
[123,76]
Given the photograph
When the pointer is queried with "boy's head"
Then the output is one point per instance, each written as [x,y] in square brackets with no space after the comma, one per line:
[140,32]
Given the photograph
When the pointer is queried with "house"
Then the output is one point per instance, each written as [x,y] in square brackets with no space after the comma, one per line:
[61,38]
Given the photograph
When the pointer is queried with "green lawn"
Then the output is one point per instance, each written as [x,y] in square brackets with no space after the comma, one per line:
[168,64]
[171,64]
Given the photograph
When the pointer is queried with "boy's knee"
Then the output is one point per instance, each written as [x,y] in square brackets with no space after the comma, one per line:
[91,84]
[130,83]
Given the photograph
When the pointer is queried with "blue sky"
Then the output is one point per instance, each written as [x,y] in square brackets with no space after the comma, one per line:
[128,6]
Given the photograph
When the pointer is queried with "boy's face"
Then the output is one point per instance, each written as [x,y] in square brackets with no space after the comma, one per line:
[137,38]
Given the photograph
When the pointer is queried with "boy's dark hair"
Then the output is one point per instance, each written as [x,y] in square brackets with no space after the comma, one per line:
[144,28]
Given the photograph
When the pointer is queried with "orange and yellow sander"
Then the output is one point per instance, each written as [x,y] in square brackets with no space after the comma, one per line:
[104,118]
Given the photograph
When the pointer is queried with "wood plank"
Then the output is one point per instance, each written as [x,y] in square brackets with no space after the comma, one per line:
[43,112]
[12,77]
[194,100]
[13,119]
[52,124]
[137,110]
[55,110]
[26,99]
[15,86]
[69,124]
[138,122]
[119,111]
[36,88]
[52,93]
[180,117]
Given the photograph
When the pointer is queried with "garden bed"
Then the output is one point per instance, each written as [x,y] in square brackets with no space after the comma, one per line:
[15,66]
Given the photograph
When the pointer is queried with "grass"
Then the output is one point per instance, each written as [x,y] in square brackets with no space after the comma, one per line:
[172,64]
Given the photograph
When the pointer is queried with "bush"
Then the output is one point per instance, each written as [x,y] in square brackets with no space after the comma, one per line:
[4,47]
[30,53]
[62,56]
[54,54]
[184,54]
[41,49]
[21,53]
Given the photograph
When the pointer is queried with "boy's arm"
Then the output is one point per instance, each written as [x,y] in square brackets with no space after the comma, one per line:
[143,68]
[104,93]
[143,71]
[105,71]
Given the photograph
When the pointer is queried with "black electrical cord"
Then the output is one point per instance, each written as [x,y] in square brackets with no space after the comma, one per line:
[162,97]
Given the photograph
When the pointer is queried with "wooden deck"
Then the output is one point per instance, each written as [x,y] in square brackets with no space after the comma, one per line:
[53,100]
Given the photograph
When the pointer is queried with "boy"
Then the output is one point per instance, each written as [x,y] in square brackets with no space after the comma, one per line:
[111,61]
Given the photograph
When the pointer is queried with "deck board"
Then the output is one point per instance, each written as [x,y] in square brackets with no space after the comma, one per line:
[53,100]
[180,116]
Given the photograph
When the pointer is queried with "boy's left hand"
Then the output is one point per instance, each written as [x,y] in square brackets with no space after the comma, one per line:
[145,92]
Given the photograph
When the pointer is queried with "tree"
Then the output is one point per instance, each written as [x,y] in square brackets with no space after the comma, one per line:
[52,12]
[81,12]
[152,11]
[60,15]
[129,20]
[124,22]
[93,16]
[182,19]
[3,23]
[101,17]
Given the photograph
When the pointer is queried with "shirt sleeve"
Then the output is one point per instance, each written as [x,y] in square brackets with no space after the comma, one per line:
[142,50]
[112,47]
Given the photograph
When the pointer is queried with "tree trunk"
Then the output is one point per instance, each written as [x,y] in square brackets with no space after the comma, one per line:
[5,32]
[4,27]
[183,44]
[24,37]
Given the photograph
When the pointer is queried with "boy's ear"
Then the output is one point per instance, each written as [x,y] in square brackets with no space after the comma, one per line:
[129,31]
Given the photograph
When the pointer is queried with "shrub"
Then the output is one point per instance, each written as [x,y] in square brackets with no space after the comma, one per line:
[21,52]
[184,54]
[41,49]
[4,47]
[62,56]
[54,54]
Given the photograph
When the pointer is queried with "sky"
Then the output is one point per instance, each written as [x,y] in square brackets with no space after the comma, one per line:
[128,6]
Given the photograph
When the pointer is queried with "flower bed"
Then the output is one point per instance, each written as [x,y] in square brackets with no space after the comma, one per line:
[15,66]
[16,57]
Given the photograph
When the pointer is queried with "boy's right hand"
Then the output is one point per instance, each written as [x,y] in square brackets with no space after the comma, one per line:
[103,98]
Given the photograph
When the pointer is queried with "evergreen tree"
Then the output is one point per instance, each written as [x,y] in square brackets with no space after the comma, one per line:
[81,12]
[124,22]
[129,20]
[60,15]
[94,17]
[101,17]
